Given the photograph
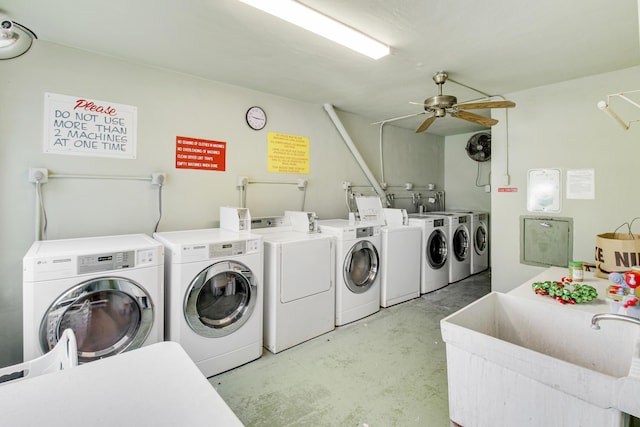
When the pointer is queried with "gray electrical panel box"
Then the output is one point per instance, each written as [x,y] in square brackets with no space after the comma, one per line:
[546,241]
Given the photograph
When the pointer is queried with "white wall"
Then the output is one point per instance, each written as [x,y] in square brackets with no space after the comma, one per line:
[169,104]
[465,179]
[559,126]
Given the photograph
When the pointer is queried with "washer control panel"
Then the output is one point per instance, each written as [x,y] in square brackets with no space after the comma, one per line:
[237,247]
[106,262]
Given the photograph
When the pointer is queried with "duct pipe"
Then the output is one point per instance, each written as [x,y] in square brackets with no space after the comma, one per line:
[356,154]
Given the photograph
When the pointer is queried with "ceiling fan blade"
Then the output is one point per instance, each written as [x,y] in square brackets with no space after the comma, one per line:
[475,118]
[425,125]
[486,104]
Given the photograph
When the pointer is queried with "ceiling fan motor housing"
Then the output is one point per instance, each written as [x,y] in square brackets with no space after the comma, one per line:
[440,102]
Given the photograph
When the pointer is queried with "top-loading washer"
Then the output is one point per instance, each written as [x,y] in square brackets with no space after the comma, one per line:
[459,242]
[479,236]
[357,268]
[214,296]
[435,253]
[299,276]
[400,258]
[108,290]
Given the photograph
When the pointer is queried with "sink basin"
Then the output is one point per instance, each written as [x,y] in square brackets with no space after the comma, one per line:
[512,354]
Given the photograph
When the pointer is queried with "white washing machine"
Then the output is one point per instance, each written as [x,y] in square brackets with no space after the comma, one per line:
[109,290]
[400,258]
[435,253]
[460,244]
[214,296]
[299,276]
[357,268]
[479,232]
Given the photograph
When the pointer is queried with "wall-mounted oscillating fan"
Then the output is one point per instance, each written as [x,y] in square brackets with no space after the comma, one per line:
[479,147]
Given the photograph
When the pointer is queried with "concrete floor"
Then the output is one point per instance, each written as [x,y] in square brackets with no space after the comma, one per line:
[388,369]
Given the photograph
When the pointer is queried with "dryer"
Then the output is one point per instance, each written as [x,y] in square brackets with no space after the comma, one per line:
[435,253]
[460,244]
[357,268]
[400,260]
[109,290]
[214,296]
[299,276]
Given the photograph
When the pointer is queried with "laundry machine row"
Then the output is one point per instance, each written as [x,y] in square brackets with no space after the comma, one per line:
[220,293]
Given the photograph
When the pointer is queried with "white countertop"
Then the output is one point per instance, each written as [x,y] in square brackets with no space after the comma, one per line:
[157,385]
[598,305]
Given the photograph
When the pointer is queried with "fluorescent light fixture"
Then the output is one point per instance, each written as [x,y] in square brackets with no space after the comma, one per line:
[307,18]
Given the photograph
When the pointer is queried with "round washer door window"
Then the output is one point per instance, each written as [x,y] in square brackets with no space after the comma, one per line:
[437,249]
[108,316]
[361,267]
[461,244]
[480,239]
[220,299]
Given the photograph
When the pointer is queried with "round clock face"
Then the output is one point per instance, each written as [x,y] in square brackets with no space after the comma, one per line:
[256,118]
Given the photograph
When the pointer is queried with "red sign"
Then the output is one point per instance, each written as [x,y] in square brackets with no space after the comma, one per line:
[507,190]
[194,153]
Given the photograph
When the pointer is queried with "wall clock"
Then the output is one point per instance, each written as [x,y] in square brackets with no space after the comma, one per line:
[256,118]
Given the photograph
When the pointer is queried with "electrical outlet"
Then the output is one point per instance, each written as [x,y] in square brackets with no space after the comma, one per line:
[346,185]
[158,178]
[38,174]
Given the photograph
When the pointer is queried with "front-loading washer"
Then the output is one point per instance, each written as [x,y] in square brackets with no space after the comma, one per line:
[109,290]
[400,258]
[460,244]
[435,253]
[299,276]
[479,235]
[214,296]
[357,268]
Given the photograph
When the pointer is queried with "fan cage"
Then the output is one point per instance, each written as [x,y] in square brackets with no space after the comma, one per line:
[479,147]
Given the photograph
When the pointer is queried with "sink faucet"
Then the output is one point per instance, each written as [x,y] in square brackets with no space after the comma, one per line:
[609,316]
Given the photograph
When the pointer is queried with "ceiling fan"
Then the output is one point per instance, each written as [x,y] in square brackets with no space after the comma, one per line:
[439,105]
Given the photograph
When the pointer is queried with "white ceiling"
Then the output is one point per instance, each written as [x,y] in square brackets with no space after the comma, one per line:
[496,46]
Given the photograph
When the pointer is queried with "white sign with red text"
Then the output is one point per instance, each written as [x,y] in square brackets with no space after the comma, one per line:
[80,126]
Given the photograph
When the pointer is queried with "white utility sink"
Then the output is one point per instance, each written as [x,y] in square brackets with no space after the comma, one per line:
[518,361]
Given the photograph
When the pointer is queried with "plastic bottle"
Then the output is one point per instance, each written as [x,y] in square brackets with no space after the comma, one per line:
[575,271]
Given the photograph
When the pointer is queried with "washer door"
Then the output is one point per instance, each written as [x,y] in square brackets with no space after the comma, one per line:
[108,315]
[361,267]
[480,239]
[437,249]
[220,299]
[461,243]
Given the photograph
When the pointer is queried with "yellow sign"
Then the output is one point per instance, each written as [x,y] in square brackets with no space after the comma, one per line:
[288,153]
